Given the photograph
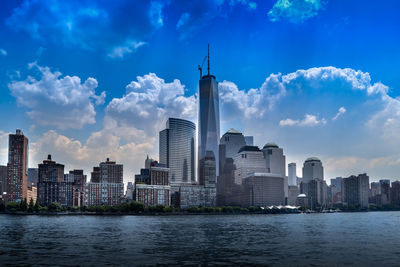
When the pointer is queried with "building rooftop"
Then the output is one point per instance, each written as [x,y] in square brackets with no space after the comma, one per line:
[249,148]
[271,144]
[312,159]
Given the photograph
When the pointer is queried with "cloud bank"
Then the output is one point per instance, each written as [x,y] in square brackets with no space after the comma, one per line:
[64,102]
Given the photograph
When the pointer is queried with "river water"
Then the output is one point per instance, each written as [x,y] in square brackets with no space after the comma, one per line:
[295,239]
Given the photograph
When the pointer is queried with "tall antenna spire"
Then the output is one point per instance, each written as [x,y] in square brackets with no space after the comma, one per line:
[208,57]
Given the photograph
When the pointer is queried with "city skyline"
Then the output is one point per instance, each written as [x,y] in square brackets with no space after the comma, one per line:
[347,103]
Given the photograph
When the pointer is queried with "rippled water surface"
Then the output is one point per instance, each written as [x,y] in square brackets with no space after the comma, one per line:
[297,239]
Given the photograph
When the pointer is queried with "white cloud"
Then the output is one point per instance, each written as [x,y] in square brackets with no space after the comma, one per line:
[309,120]
[155,14]
[256,102]
[148,103]
[128,48]
[64,102]
[340,112]
[3,52]
[295,11]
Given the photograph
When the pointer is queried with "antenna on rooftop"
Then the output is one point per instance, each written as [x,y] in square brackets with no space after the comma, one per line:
[208,57]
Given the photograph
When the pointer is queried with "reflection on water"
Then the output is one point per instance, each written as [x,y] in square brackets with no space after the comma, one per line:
[297,239]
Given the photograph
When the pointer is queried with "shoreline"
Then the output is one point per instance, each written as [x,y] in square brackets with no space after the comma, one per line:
[185,213]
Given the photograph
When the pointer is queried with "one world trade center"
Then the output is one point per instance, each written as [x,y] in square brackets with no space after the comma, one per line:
[208,118]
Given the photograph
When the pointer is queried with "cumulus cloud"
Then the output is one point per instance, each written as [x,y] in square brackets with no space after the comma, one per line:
[254,102]
[3,52]
[276,87]
[128,48]
[65,102]
[340,112]
[295,11]
[148,103]
[309,120]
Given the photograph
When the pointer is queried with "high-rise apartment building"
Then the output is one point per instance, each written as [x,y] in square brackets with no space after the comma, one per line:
[17,167]
[208,139]
[177,150]
[78,180]
[106,186]
[157,190]
[50,188]
[355,190]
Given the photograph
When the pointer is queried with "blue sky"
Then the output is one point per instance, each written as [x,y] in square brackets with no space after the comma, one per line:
[90,79]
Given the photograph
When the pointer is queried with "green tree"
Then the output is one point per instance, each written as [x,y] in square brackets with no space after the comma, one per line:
[136,206]
[13,206]
[55,206]
[23,205]
[37,207]
[31,205]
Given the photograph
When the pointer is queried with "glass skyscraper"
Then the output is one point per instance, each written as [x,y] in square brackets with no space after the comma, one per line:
[208,117]
[176,150]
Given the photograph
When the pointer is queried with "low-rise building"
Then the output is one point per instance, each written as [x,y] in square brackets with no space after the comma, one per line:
[263,189]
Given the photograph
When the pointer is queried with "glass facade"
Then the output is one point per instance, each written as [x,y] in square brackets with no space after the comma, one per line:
[176,150]
[208,118]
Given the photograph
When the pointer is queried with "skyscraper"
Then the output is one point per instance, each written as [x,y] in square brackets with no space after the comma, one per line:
[208,116]
[312,169]
[176,150]
[51,175]
[17,167]
[249,160]
[230,144]
[292,174]
[274,159]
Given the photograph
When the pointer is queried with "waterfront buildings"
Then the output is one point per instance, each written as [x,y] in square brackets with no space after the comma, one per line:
[355,190]
[293,192]
[204,194]
[208,139]
[336,190]
[263,189]
[50,188]
[17,167]
[106,186]
[157,190]
[177,150]
[395,193]
[78,181]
